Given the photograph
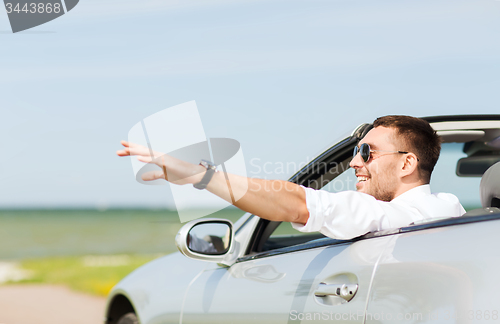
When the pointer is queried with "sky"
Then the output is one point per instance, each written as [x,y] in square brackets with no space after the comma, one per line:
[284,78]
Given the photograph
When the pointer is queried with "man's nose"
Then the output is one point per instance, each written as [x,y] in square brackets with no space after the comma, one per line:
[356,162]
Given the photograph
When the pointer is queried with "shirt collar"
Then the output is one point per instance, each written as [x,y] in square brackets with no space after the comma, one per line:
[410,194]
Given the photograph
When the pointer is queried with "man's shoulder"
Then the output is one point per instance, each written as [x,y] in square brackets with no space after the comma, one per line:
[446,196]
[338,195]
[434,204]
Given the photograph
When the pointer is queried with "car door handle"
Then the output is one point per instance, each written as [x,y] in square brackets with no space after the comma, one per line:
[344,291]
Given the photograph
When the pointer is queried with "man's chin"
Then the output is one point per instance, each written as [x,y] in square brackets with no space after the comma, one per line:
[361,187]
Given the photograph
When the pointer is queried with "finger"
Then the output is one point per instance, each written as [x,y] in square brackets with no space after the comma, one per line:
[142,148]
[130,144]
[133,145]
[124,152]
[146,159]
[138,150]
[153,175]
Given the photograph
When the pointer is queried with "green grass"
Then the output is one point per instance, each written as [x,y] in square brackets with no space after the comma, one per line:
[47,233]
[54,245]
[77,274]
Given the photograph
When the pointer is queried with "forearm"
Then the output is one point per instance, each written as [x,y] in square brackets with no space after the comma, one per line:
[274,200]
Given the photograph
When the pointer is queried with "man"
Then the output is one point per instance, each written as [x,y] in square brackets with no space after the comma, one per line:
[393,164]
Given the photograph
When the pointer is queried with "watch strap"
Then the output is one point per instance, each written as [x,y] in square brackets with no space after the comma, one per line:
[211,169]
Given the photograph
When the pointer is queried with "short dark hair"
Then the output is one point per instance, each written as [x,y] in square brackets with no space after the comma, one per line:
[416,136]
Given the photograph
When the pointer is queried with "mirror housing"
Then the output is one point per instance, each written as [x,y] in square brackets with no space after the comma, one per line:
[207,239]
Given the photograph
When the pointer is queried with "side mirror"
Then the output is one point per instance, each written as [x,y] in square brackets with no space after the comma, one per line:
[205,239]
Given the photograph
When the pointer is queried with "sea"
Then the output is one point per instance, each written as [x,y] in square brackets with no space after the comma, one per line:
[39,233]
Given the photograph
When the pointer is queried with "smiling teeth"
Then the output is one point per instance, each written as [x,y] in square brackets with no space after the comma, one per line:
[361,178]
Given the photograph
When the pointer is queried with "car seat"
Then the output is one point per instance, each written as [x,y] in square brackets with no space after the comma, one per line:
[490,187]
[489,191]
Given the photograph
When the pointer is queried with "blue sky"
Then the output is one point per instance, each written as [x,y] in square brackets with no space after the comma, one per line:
[284,78]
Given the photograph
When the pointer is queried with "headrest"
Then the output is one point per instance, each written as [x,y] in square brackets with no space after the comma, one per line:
[490,187]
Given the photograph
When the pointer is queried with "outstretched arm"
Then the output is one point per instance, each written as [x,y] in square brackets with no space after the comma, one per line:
[274,200]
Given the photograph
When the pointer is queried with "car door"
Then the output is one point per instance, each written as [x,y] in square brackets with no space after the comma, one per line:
[287,285]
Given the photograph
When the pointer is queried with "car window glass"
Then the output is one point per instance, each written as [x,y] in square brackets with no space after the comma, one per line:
[445,179]
[286,229]
[345,181]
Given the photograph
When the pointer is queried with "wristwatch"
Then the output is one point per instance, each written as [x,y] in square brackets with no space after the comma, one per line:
[211,169]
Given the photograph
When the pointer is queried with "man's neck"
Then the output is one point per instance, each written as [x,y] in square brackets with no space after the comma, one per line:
[408,186]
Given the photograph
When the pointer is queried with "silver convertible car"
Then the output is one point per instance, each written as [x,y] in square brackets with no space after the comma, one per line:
[443,270]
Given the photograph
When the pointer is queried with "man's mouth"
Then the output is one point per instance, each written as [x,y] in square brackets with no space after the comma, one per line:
[362,178]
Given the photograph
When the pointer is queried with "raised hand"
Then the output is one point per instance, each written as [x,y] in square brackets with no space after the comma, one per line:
[173,170]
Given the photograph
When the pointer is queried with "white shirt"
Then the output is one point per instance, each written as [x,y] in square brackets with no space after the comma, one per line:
[348,214]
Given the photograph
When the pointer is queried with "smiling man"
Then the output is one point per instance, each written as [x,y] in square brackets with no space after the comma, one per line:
[393,164]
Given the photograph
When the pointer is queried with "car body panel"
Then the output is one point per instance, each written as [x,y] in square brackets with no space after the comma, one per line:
[289,280]
[156,290]
[438,275]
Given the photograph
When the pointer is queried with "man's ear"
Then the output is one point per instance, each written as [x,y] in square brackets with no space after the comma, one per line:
[410,163]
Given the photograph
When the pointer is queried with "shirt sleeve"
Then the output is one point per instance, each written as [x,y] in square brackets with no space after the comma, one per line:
[349,214]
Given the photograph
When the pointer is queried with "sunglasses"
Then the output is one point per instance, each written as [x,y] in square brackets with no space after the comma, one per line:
[365,152]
